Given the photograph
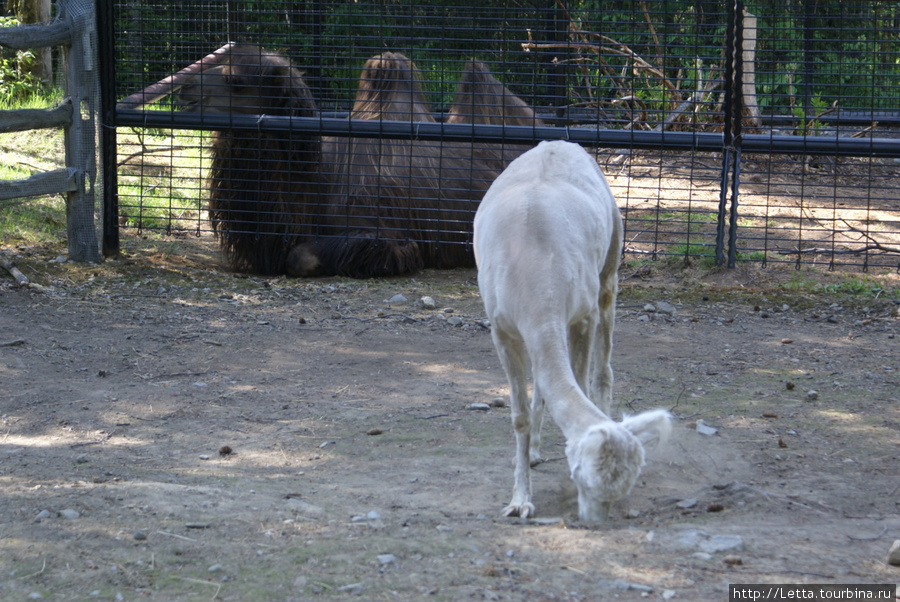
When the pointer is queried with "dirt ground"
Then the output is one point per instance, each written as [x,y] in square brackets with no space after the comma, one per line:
[170,431]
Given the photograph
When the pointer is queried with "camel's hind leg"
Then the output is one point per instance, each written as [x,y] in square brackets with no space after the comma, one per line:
[581,345]
[602,385]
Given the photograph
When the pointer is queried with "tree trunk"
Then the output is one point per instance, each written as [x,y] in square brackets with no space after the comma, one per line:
[36,11]
[748,86]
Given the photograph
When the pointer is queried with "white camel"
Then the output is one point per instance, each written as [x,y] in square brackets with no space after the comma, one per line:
[548,237]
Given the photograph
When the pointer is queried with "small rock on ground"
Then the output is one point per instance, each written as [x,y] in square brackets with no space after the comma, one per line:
[665,308]
[706,430]
[894,553]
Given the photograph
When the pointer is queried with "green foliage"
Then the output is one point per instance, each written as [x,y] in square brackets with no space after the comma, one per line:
[16,81]
[809,125]
[654,53]
[832,51]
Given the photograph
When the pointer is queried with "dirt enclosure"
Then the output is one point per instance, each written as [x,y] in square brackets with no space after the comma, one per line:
[174,432]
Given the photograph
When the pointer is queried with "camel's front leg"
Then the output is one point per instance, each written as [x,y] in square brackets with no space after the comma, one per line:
[512,355]
[521,504]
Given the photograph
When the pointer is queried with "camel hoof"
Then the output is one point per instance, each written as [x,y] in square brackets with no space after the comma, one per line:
[521,510]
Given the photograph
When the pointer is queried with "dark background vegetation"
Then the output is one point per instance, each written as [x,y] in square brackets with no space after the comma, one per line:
[810,54]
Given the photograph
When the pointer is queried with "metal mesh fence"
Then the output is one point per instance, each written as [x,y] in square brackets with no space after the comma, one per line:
[358,137]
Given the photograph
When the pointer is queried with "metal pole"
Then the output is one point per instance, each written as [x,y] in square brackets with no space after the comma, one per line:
[737,115]
[108,158]
[727,134]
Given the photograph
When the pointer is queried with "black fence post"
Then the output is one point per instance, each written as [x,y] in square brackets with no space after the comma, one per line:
[727,134]
[736,130]
[731,138]
[107,75]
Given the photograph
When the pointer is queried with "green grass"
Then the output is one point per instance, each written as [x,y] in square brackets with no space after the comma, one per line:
[32,220]
[161,180]
[154,204]
[704,254]
[697,221]
[35,100]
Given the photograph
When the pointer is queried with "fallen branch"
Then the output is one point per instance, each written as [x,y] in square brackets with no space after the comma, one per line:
[873,247]
[36,573]
[873,243]
[672,117]
[597,48]
[865,130]
[149,151]
[21,278]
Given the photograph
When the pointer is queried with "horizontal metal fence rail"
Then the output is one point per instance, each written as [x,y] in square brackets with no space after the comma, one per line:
[335,126]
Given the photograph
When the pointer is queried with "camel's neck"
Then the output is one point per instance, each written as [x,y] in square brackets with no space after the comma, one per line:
[570,408]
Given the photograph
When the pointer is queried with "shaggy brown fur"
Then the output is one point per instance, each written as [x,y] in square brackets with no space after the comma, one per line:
[262,185]
[404,205]
[384,206]
[481,99]
[395,205]
[390,88]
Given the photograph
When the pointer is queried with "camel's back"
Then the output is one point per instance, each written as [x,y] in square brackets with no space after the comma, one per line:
[554,187]
[543,233]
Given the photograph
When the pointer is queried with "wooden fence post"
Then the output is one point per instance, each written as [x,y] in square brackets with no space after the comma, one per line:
[75,29]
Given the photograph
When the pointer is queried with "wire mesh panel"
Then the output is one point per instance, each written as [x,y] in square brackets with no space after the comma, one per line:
[826,74]
[358,137]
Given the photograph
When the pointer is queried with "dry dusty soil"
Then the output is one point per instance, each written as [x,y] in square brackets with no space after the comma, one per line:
[170,431]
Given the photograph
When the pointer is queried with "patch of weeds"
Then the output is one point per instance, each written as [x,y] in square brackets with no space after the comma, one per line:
[634,265]
[854,285]
[705,254]
[850,285]
[696,221]
[798,283]
[759,256]
[34,99]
